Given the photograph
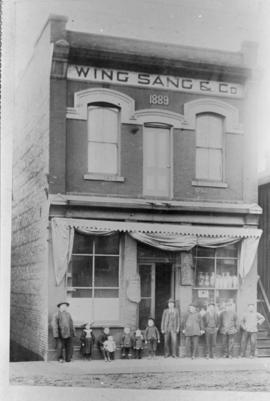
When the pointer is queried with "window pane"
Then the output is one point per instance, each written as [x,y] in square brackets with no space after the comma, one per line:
[83,293]
[202,164]
[209,252]
[215,164]
[103,124]
[205,269]
[102,158]
[82,243]
[202,130]
[145,274]
[108,244]
[106,271]
[103,293]
[82,271]
[229,251]
[215,132]
[201,298]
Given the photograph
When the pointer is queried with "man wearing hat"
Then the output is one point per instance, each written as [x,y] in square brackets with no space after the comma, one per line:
[63,332]
[170,326]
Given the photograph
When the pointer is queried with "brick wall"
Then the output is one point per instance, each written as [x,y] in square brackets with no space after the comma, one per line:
[29,286]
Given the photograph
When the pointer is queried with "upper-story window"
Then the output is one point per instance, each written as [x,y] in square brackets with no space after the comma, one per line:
[103,138]
[209,147]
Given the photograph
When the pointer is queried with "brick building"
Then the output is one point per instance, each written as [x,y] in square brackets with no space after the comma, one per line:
[134,180]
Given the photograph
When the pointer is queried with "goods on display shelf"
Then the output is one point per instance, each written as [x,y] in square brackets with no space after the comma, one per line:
[220,281]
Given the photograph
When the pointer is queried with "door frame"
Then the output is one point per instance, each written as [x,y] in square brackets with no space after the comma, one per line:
[153,281]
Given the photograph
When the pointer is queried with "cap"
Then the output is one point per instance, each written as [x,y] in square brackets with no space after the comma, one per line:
[62,303]
[171,301]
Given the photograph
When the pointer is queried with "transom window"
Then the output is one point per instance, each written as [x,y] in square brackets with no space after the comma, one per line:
[209,147]
[103,138]
[93,278]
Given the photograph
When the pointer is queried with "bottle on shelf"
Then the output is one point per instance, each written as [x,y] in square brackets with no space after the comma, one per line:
[235,282]
[206,280]
[212,279]
[228,281]
[218,281]
[223,281]
[200,280]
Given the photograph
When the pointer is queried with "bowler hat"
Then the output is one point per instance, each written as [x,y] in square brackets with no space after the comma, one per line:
[62,303]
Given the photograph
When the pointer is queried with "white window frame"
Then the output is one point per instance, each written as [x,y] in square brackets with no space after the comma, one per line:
[118,143]
[223,156]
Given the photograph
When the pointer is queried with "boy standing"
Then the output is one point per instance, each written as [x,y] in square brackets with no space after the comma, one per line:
[211,326]
[152,337]
[63,332]
[249,324]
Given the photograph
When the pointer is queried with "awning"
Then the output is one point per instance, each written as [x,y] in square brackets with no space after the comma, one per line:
[170,237]
[167,229]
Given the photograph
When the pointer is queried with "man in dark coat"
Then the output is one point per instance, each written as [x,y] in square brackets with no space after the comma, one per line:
[229,326]
[63,332]
[211,326]
[170,326]
[192,329]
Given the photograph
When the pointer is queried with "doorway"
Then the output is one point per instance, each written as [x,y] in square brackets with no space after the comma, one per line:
[157,286]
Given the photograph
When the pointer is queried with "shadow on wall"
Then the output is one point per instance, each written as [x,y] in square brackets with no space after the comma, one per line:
[18,353]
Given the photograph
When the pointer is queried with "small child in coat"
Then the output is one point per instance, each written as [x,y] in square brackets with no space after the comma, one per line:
[152,337]
[126,343]
[138,344]
[87,340]
[109,349]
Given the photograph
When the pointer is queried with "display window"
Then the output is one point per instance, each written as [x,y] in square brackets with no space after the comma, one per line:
[215,275]
[93,278]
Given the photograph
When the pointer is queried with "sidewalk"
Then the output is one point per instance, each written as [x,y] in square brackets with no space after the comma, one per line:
[159,373]
[119,366]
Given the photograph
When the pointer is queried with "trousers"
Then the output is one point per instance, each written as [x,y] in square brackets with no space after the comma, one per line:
[210,340]
[228,344]
[152,346]
[170,342]
[64,344]
[192,343]
[247,337]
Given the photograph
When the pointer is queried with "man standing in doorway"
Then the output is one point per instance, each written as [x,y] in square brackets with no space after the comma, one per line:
[170,326]
[63,332]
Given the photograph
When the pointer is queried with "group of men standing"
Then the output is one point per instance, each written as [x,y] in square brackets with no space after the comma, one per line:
[193,325]
[196,323]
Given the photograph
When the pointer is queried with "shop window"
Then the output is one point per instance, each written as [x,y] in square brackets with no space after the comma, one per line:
[216,275]
[103,138]
[209,147]
[93,278]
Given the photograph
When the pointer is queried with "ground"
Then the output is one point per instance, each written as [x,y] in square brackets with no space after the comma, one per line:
[182,374]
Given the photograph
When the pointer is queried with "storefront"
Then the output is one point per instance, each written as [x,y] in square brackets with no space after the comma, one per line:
[119,273]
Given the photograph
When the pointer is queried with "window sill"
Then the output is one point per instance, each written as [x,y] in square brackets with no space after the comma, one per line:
[206,183]
[103,177]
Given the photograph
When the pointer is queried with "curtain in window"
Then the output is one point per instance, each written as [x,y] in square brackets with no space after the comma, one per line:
[63,237]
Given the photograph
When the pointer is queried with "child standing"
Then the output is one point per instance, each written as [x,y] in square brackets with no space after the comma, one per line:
[87,340]
[101,339]
[152,337]
[138,343]
[126,343]
[109,349]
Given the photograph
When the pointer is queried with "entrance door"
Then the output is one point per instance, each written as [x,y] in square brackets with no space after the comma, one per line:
[156,288]
[156,161]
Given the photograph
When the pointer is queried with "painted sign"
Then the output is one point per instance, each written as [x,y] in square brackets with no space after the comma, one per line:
[157,81]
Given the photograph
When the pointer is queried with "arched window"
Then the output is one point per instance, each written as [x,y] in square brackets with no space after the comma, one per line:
[103,138]
[209,147]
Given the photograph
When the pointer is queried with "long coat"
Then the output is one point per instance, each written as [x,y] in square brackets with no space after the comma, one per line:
[62,325]
[192,324]
[175,321]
